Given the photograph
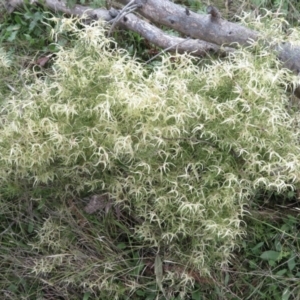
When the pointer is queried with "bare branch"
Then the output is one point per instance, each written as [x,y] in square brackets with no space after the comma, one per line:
[194,25]
[173,43]
[128,8]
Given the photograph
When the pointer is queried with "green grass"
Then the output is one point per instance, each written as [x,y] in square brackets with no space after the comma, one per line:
[255,272]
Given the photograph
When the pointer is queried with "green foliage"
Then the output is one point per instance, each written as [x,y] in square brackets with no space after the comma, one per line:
[196,5]
[20,37]
[288,9]
[27,26]
[180,152]
[267,264]
[135,44]
[271,252]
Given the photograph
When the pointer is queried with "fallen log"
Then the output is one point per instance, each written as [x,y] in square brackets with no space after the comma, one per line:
[203,33]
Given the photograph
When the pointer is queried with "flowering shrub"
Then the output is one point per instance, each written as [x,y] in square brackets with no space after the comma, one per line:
[182,148]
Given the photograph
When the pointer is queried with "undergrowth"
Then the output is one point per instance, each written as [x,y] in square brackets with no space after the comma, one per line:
[120,183]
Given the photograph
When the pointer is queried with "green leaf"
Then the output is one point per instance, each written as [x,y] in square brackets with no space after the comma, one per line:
[226,279]
[41,204]
[286,294]
[278,246]
[86,296]
[12,36]
[252,264]
[12,288]
[137,270]
[281,272]
[272,263]
[291,262]
[291,194]
[270,255]
[151,296]
[121,246]
[30,228]
[158,269]
[19,20]
[196,295]
[140,293]
[32,25]
[258,246]
[13,27]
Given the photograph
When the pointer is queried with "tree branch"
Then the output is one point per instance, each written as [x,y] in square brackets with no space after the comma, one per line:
[206,32]
[173,43]
[194,25]
[132,22]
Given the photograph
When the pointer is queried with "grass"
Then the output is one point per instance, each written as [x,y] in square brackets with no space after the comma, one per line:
[253,274]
